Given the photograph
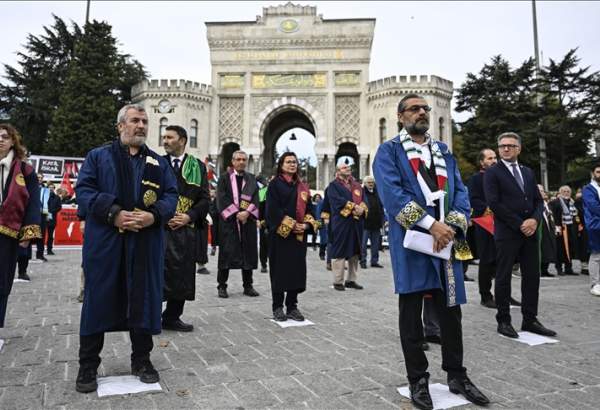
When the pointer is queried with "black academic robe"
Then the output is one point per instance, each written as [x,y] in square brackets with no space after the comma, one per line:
[548,238]
[181,250]
[484,241]
[571,231]
[346,230]
[287,254]
[582,234]
[237,241]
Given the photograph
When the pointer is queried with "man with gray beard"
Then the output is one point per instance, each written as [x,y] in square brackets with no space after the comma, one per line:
[126,193]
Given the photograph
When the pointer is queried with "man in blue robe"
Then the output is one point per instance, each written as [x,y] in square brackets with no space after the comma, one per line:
[421,189]
[126,193]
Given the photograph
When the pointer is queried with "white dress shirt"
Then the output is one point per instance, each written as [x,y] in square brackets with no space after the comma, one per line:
[427,220]
[510,168]
[179,158]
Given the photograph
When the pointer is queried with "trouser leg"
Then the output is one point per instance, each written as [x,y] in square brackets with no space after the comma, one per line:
[278,298]
[486,273]
[264,248]
[247,278]
[40,242]
[530,279]
[3,307]
[545,266]
[50,241]
[506,255]
[173,311]
[141,345]
[222,277]
[430,316]
[291,300]
[23,264]
[410,306]
[594,267]
[90,347]
[352,268]
[363,247]
[337,266]
[451,334]
[375,245]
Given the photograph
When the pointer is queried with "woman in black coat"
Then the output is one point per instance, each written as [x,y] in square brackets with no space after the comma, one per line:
[289,217]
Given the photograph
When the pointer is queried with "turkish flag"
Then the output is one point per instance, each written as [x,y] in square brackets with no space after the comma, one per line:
[486,222]
[66,181]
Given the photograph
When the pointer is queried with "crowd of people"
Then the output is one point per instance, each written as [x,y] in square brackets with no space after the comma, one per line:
[147,226]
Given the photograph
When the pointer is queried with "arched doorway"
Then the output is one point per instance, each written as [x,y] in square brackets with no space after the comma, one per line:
[349,154]
[290,126]
[227,151]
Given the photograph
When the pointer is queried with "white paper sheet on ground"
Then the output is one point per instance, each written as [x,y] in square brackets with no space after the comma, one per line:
[1,344]
[109,386]
[532,339]
[293,323]
[20,280]
[441,396]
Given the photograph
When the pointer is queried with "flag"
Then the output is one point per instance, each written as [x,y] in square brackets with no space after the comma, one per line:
[486,222]
[66,181]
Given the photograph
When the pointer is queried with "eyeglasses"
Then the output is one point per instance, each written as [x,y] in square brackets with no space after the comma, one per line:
[416,108]
[508,146]
[290,162]
[5,137]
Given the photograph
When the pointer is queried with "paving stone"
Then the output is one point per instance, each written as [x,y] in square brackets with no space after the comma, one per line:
[215,397]
[59,392]
[46,373]
[22,397]
[322,385]
[253,394]
[14,376]
[288,390]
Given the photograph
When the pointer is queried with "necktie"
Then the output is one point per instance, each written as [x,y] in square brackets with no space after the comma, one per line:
[517,176]
[176,165]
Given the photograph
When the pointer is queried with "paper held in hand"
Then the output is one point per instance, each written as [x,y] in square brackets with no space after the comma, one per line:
[423,242]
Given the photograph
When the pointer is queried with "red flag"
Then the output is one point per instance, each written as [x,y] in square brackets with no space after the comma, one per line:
[66,181]
[486,222]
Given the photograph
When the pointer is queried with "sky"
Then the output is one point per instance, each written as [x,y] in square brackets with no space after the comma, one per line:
[448,39]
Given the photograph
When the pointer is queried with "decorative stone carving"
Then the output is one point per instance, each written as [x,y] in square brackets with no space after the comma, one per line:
[315,80]
[231,116]
[347,79]
[347,117]
[231,81]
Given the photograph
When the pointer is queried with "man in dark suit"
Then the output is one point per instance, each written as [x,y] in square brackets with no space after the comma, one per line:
[512,194]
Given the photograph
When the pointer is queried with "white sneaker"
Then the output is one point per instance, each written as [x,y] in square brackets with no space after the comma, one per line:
[595,290]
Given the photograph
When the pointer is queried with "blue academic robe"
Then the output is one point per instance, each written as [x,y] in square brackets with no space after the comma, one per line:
[591,209]
[345,231]
[405,205]
[107,265]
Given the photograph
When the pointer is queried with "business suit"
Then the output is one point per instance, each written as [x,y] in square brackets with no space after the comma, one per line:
[511,206]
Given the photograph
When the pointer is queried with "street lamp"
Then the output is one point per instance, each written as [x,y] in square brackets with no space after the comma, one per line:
[541,138]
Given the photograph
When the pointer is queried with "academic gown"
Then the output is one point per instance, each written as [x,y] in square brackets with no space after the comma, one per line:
[547,235]
[287,254]
[182,243]
[109,256]
[345,231]
[237,241]
[484,241]
[405,204]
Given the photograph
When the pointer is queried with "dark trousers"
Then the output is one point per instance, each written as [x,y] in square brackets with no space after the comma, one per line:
[487,271]
[525,250]
[290,297]
[431,322]
[223,276]
[23,264]
[411,335]
[90,347]
[40,242]
[374,236]
[50,241]
[3,307]
[173,311]
[263,250]
[545,266]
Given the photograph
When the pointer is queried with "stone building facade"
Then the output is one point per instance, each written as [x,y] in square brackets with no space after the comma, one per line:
[290,68]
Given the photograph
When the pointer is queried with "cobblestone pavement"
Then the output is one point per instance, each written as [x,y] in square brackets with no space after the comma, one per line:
[237,358]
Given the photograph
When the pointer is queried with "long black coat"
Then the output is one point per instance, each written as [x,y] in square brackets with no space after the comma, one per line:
[182,244]
[548,239]
[562,257]
[287,255]
[484,241]
[237,242]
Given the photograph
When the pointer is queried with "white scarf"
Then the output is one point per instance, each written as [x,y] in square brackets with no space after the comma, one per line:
[5,164]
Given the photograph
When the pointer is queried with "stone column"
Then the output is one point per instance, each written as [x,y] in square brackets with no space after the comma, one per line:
[364,166]
[320,171]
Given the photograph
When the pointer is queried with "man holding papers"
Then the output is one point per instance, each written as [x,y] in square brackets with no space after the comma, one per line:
[423,194]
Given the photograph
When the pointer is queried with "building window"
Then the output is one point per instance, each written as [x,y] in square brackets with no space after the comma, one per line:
[441,129]
[161,129]
[382,130]
[194,134]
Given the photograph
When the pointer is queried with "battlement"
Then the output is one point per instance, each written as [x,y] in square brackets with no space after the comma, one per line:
[289,9]
[412,81]
[171,86]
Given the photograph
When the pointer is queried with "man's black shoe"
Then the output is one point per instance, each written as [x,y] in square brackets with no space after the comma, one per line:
[489,303]
[203,271]
[363,265]
[465,387]
[376,265]
[263,269]
[585,271]
[322,257]
[468,279]
[338,286]
[41,258]
[251,292]
[328,266]
[223,293]
[536,327]
[353,285]
[278,315]
[514,302]
[24,276]
[87,381]
[145,371]
[419,394]
[295,314]
[571,273]
[546,275]
[507,330]
[425,346]
[50,253]
[177,325]
[434,339]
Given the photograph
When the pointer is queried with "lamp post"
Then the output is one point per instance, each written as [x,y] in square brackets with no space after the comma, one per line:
[87,12]
[541,138]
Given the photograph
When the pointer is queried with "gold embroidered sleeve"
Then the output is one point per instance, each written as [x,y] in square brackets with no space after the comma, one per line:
[312,221]
[286,227]
[30,232]
[462,252]
[347,209]
[458,220]
[244,205]
[325,215]
[365,207]
[410,215]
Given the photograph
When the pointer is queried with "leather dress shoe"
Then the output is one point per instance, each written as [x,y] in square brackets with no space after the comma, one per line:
[177,325]
[465,387]
[145,371]
[425,346]
[87,380]
[376,265]
[363,265]
[536,327]
[571,273]
[278,315]
[507,330]
[419,394]
[489,303]
[203,271]
[546,275]
[585,271]
[251,292]
[339,286]
[223,293]
[434,339]
[514,302]
[353,285]
[50,253]
[295,314]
